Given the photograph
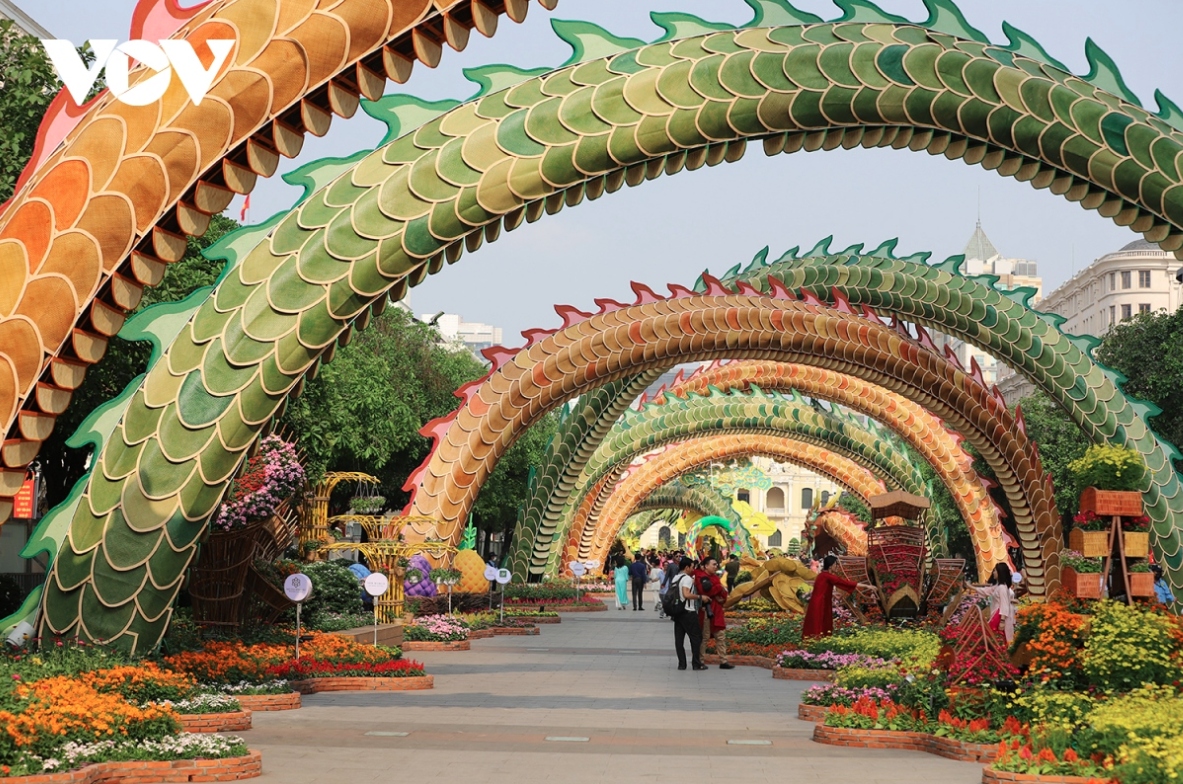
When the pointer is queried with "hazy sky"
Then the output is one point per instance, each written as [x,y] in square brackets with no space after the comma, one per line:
[671,229]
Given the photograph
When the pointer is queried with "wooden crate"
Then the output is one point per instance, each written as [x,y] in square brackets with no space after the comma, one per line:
[1107,503]
[1082,586]
[1137,544]
[1090,544]
[1141,584]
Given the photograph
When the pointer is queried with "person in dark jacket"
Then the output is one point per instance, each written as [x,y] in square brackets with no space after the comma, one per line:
[732,570]
[639,572]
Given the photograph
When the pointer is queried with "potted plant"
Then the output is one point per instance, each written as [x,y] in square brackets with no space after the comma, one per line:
[1080,575]
[1089,535]
[1135,533]
[1141,579]
[1111,478]
[367,504]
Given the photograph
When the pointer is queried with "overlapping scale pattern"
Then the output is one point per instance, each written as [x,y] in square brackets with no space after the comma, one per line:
[697,452]
[113,190]
[550,142]
[923,431]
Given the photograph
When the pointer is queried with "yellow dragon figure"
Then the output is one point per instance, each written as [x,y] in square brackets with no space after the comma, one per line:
[778,579]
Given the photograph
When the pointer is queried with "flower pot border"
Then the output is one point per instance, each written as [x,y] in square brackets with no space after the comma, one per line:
[577,608]
[409,683]
[269,702]
[227,769]
[906,741]
[811,713]
[230,721]
[763,662]
[991,776]
[797,674]
[433,645]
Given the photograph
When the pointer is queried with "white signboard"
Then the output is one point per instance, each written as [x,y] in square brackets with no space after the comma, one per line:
[298,587]
[577,568]
[490,573]
[504,576]
[376,584]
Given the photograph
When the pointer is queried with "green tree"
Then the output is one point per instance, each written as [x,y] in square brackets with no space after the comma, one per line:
[364,410]
[27,86]
[1060,441]
[1148,351]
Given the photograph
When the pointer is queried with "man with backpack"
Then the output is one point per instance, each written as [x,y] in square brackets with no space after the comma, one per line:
[681,603]
[638,571]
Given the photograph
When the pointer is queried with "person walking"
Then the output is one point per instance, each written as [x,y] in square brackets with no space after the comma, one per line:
[732,570]
[686,616]
[639,572]
[620,574]
[714,625]
[1162,589]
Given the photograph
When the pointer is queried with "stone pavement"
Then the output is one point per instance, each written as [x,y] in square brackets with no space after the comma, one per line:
[593,699]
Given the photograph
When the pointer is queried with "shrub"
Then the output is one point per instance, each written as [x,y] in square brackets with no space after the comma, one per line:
[1128,647]
[335,589]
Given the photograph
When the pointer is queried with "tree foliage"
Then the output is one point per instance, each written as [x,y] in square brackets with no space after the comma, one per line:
[1060,441]
[363,412]
[1148,351]
[27,86]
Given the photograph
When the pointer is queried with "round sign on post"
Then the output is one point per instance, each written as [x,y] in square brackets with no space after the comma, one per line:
[504,576]
[577,568]
[377,584]
[490,573]
[298,587]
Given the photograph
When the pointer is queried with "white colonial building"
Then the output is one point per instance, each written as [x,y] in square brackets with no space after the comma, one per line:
[793,493]
[1139,278]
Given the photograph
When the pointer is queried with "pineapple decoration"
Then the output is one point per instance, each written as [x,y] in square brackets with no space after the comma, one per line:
[470,565]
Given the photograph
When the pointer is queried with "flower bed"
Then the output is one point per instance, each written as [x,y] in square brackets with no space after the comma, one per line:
[826,660]
[558,605]
[323,655]
[458,645]
[137,764]
[435,629]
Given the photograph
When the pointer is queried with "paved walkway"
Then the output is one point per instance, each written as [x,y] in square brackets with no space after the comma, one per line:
[596,698]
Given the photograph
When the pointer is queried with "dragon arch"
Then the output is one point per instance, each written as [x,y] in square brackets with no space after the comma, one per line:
[695,98]
[911,422]
[690,455]
[674,495]
[755,413]
[113,191]
[633,338]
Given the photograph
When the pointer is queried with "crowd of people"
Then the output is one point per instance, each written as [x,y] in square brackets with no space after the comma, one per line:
[692,592]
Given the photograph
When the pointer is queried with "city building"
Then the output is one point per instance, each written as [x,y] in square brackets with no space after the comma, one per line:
[470,334]
[982,258]
[26,23]
[794,492]
[1138,278]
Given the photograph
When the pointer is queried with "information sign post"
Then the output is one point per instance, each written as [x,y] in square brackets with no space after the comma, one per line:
[376,585]
[298,587]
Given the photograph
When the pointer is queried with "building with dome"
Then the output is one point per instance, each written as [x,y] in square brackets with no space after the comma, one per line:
[1139,278]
